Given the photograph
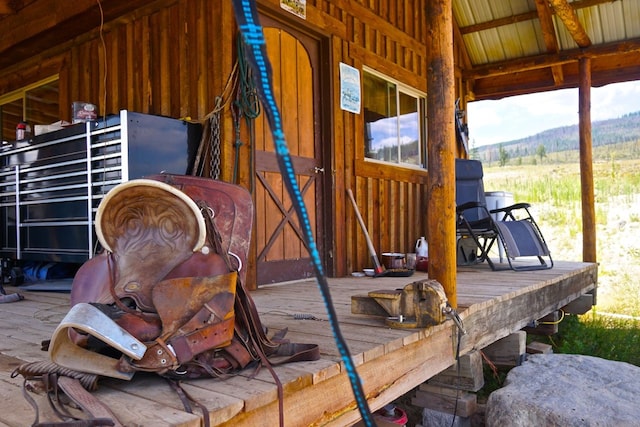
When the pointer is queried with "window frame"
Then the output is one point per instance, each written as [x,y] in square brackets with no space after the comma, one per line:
[21,94]
[401,88]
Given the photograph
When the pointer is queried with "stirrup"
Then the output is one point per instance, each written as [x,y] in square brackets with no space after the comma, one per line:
[89,319]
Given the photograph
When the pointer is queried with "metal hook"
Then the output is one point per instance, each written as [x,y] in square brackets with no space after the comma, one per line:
[237,258]
[453,315]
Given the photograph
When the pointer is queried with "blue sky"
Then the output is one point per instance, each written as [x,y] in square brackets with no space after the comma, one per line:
[517,117]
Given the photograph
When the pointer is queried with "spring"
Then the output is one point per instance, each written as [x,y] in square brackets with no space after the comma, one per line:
[33,370]
[304,316]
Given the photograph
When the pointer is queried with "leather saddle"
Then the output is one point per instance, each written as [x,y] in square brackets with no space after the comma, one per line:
[167,295]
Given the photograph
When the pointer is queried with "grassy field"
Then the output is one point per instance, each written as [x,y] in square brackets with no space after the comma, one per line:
[612,329]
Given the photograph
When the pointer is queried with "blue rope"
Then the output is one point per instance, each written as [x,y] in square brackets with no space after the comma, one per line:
[247,19]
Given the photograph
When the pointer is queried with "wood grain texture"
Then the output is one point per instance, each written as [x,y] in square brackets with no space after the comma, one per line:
[391,362]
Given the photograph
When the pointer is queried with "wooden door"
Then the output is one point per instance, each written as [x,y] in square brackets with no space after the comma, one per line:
[281,252]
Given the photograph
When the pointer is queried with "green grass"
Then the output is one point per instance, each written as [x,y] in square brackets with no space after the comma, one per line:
[554,190]
[593,335]
[600,336]
[612,329]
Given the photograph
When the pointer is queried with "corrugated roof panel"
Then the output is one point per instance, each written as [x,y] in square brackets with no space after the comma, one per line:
[565,41]
[475,50]
[518,40]
[492,45]
[631,18]
[462,13]
[501,9]
[531,38]
[589,17]
[606,22]
[611,15]
[483,11]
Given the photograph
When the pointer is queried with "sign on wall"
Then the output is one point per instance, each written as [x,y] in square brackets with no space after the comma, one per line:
[349,88]
[297,7]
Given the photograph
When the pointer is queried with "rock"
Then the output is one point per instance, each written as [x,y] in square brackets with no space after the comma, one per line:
[567,390]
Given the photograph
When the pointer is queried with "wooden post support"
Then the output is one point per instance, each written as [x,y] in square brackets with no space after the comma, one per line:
[580,305]
[537,347]
[441,146]
[469,376]
[548,325]
[443,399]
[508,351]
[586,164]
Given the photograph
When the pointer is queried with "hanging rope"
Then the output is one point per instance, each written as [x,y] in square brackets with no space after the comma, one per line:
[210,143]
[247,106]
[247,19]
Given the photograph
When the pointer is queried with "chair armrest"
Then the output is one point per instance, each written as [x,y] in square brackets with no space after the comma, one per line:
[470,205]
[522,205]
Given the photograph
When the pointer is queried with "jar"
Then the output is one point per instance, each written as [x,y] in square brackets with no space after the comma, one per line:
[21,130]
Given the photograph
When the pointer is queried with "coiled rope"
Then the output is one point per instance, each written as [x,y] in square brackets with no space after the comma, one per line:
[247,19]
[34,370]
[247,106]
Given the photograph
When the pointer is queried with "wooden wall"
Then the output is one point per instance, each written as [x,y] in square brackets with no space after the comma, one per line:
[173,58]
[392,200]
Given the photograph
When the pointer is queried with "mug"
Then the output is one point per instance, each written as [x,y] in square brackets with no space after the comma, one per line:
[411,261]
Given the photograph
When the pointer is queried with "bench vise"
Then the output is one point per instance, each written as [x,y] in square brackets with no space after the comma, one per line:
[418,305]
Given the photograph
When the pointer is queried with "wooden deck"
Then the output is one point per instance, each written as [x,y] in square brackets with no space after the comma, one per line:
[390,362]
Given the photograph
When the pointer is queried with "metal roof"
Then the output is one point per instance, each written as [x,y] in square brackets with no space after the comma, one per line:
[500,33]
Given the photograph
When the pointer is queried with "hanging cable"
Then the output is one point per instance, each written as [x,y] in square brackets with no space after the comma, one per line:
[556,322]
[247,19]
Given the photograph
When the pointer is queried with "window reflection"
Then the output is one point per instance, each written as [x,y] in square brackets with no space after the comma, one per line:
[37,104]
[394,122]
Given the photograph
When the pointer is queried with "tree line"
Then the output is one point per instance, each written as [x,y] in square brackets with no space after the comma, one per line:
[625,129]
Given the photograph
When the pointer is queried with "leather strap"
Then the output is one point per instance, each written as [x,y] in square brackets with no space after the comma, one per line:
[86,401]
[211,336]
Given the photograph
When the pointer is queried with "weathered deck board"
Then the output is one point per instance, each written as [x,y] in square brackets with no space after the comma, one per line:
[390,362]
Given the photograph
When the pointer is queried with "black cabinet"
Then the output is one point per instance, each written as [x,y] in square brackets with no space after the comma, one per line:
[52,184]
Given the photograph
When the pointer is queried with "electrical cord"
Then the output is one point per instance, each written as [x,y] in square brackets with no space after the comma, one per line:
[556,322]
[459,374]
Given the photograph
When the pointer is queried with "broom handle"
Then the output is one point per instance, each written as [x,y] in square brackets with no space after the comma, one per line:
[372,250]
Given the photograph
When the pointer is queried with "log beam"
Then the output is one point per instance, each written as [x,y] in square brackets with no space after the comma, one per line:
[441,145]
[523,17]
[586,164]
[549,35]
[8,7]
[570,20]
[629,47]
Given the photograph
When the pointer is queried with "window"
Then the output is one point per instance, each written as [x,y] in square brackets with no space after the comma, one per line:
[36,104]
[395,121]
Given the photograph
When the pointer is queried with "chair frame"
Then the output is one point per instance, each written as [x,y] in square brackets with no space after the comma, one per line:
[485,232]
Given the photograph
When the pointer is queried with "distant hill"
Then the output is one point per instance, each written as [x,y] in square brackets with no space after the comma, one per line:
[566,138]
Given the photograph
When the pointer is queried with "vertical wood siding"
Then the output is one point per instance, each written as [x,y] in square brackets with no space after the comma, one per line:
[175,61]
[392,200]
[172,62]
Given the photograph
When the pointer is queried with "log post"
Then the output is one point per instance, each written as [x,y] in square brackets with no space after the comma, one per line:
[441,146]
[586,164]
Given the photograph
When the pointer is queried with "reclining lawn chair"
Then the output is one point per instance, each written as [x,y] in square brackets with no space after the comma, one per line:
[478,231]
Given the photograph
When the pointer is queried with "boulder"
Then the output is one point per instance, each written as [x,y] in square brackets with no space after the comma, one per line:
[567,390]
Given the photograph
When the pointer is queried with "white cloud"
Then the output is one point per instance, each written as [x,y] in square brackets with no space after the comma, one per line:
[517,117]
